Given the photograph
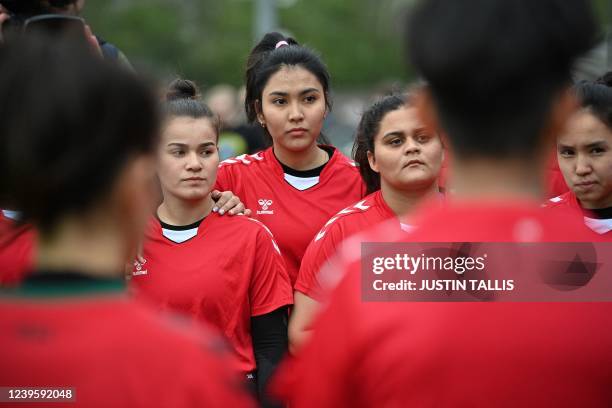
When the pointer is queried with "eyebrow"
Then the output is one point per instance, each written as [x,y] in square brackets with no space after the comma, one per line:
[394,133]
[305,91]
[596,144]
[185,145]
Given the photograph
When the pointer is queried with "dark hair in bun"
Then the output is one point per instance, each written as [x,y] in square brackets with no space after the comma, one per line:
[183,99]
[597,97]
[182,89]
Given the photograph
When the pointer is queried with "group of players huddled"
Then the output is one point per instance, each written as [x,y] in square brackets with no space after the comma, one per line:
[243,283]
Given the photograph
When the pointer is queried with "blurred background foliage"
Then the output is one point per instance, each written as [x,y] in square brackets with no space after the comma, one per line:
[208,40]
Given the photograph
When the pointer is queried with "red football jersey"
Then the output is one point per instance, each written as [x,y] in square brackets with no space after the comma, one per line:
[111,350]
[294,216]
[569,202]
[230,271]
[396,354]
[356,218]
[16,251]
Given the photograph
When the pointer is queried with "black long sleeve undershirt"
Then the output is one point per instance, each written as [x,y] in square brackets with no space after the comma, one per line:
[270,344]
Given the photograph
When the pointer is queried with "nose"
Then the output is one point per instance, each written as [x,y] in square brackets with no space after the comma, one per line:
[295,113]
[411,147]
[583,165]
[193,162]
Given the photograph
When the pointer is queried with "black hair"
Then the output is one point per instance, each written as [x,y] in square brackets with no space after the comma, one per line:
[183,98]
[494,67]
[597,97]
[266,59]
[28,8]
[70,124]
[368,127]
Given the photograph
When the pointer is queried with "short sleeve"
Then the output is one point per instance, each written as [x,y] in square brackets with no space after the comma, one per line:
[321,250]
[270,286]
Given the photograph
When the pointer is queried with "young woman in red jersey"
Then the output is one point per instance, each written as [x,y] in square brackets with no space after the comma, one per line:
[400,163]
[585,157]
[76,155]
[226,271]
[296,185]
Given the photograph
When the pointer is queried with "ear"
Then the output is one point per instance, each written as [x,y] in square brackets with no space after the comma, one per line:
[372,161]
[260,116]
[426,110]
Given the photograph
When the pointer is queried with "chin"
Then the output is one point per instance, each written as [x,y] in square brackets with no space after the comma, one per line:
[198,194]
[299,145]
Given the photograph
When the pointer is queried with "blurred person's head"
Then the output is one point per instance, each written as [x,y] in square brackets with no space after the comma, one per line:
[499,70]
[223,101]
[287,92]
[27,8]
[187,156]
[584,149]
[77,139]
[393,148]
[53,18]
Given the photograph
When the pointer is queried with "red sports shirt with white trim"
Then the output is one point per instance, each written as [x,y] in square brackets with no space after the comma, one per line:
[359,217]
[475,354]
[294,216]
[230,271]
[16,251]
[569,201]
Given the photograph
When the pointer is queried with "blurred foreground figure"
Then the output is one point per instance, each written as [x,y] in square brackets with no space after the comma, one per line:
[52,16]
[76,157]
[498,72]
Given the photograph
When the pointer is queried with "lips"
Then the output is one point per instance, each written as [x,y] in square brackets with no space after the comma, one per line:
[194,179]
[297,131]
[414,163]
[584,184]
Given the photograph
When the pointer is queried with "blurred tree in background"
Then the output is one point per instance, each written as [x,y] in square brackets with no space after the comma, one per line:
[207,40]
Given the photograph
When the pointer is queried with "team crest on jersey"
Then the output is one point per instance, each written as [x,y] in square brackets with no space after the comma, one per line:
[139,268]
[265,205]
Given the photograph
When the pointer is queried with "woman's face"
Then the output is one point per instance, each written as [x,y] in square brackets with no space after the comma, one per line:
[293,108]
[584,152]
[187,158]
[405,155]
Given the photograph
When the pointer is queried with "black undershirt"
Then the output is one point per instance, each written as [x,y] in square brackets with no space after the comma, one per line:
[180,227]
[600,213]
[270,345]
[308,173]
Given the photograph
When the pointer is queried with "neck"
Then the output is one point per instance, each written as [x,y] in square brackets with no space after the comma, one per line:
[497,179]
[95,248]
[403,202]
[176,211]
[308,159]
